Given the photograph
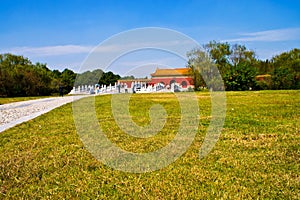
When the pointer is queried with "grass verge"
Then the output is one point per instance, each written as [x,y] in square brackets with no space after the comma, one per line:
[5,100]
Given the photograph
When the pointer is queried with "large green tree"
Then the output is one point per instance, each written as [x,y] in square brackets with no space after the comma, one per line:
[88,77]
[220,54]
[240,77]
[235,63]
[67,79]
[286,70]
[109,78]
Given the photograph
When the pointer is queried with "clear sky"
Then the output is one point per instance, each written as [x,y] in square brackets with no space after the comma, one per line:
[62,32]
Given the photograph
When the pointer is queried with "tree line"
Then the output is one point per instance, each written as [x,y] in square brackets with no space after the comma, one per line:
[241,70]
[20,77]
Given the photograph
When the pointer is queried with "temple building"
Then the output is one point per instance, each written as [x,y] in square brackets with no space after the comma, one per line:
[180,76]
[177,79]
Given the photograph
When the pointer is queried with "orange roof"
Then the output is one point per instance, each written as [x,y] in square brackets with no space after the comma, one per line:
[172,72]
[133,80]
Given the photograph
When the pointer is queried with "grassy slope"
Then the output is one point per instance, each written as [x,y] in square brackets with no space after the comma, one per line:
[258,154]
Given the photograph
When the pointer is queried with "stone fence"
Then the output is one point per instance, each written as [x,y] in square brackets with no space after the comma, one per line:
[136,87]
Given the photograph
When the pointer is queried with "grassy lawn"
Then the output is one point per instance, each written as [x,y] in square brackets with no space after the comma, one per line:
[5,100]
[257,155]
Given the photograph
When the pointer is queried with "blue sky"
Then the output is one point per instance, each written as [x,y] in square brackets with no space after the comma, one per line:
[61,33]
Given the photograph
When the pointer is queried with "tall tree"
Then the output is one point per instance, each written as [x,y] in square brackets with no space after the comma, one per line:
[109,78]
[204,70]
[286,73]
[88,77]
[67,80]
[235,64]
[220,54]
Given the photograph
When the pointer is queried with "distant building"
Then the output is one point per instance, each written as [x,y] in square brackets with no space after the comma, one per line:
[181,76]
[178,79]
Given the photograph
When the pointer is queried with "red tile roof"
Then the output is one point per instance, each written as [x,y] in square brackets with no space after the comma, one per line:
[134,80]
[172,72]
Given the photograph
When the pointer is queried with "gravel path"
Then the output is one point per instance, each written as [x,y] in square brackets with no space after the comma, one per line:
[15,113]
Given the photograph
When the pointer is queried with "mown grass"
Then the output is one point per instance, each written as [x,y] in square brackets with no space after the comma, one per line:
[257,155]
[5,100]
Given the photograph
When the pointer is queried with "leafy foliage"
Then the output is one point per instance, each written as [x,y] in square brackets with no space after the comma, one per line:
[19,77]
[127,77]
[96,76]
[88,77]
[286,70]
[233,62]
[238,67]
[241,77]
[282,78]
[109,78]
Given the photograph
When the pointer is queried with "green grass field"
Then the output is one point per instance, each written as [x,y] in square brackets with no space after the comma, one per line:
[256,157]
